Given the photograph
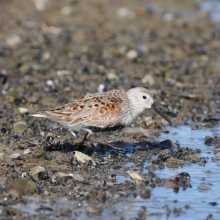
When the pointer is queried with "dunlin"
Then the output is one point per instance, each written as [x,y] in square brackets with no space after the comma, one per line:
[100,112]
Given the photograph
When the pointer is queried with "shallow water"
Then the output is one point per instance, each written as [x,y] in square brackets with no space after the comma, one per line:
[213,7]
[201,202]
[193,201]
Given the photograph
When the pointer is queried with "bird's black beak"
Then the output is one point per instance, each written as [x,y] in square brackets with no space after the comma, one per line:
[157,110]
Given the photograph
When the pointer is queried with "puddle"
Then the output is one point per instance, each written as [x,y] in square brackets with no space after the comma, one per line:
[213,7]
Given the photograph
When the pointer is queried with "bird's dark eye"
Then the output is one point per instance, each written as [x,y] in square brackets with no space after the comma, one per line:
[144,97]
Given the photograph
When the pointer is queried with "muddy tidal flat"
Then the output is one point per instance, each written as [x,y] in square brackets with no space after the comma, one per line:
[52,52]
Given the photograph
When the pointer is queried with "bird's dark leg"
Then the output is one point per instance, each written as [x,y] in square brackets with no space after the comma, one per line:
[87,140]
[86,137]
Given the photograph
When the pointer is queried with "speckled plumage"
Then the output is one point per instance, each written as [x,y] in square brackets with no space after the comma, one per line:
[101,111]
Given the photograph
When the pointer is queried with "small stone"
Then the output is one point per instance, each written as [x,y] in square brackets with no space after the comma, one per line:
[13,40]
[174,163]
[23,186]
[46,56]
[204,187]
[36,170]
[167,144]
[24,174]
[193,158]
[125,13]
[63,72]
[14,156]
[81,158]
[19,127]
[183,178]
[209,140]
[2,157]
[148,79]
[134,175]
[23,110]
[151,168]
[46,193]
[75,176]
[132,54]
[50,83]
[145,193]
[66,10]
[112,76]
[169,16]
[27,151]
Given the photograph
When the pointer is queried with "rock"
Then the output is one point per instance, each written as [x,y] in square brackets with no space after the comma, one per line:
[169,16]
[82,158]
[2,157]
[27,151]
[125,13]
[193,158]
[10,211]
[23,186]
[66,10]
[132,55]
[13,40]
[46,56]
[112,76]
[23,110]
[14,156]
[209,140]
[134,175]
[174,163]
[145,193]
[148,79]
[183,178]
[63,72]
[36,170]
[167,144]
[204,187]
[19,127]
[76,176]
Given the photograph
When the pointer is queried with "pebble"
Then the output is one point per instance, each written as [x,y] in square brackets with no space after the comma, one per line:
[36,170]
[167,144]
[169,16]
[13,40]
[2,157]
[23,110]
[145,193]
[204,187]
[66,10]
[112,76]
[174,163]
[148,79]
[81,158]
[14,156]
[46,55]
[132,54]
[27,151]
[125,13]
[134,175]
[19,127]
[193,158]
[46,193]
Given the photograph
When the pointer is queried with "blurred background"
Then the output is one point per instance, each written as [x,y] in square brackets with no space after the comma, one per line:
[68,48]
